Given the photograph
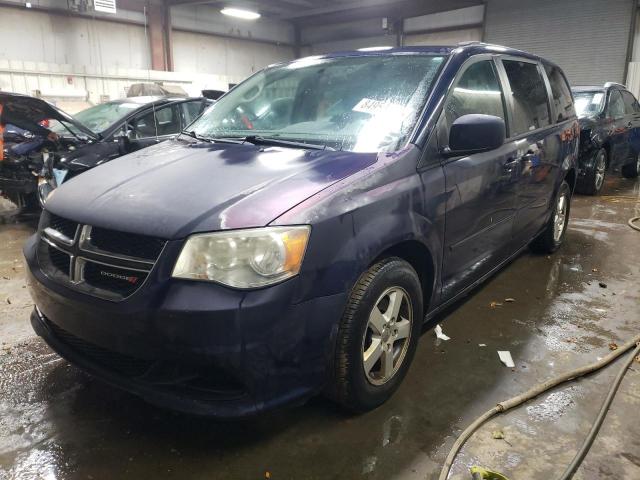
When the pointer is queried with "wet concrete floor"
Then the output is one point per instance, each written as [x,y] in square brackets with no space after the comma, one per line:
[58,423]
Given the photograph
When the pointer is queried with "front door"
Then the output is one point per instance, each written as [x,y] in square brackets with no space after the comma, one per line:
[153,126]
[617,117]
[481,188]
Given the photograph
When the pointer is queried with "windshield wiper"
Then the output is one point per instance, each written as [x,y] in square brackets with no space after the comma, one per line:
[196,136]
[193,134]
[260,140]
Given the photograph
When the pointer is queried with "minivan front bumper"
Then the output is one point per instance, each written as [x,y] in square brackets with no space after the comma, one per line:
[193,346]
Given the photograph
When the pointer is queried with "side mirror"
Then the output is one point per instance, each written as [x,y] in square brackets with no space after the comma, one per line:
[124,141]
[475,133]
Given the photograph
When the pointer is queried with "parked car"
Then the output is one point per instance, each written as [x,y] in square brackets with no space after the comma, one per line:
[91,137]
[297,237]
[24,139]
[610,134]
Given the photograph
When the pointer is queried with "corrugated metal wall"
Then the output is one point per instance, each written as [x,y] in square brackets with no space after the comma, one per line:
[86,59]
[587,38]
[448,37]
[445,28]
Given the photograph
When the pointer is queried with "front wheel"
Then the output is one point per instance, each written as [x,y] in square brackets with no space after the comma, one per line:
[595,175]
[554,232]
[632,170]
[377,336]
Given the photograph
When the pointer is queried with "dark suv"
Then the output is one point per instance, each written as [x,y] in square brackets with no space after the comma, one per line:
[297,237]
[610,134]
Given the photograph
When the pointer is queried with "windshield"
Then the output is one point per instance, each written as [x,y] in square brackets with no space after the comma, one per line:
[589,103]
[99,117]
[363,104]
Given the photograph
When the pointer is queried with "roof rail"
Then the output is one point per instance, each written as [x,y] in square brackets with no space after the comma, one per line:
[614,84]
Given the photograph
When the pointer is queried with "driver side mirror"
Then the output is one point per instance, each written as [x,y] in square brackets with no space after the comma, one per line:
[125,138]
[475,133]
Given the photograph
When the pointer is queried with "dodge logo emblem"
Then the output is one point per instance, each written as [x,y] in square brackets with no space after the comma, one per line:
[131,279]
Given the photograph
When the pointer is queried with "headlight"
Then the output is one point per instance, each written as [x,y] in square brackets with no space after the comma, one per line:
[244,258]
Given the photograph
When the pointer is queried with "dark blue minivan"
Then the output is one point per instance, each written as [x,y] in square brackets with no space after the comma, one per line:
[296,237]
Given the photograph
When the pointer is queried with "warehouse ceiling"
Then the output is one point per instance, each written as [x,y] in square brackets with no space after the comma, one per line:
[314,12]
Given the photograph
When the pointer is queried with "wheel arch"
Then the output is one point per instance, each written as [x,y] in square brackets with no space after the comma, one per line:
[571,178]
[416,254]
[607,148]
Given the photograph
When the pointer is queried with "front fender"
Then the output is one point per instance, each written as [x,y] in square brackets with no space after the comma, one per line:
[354,222]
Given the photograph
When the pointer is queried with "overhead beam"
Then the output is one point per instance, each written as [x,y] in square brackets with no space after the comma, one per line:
[340,7]
[271,9]
[359,10]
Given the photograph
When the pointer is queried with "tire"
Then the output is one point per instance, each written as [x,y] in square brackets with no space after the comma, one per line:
[359,335]
[554,232]
[632,170]
[595,175]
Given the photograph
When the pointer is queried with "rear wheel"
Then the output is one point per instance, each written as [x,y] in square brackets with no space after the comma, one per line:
[553,235]
[632,170]
[378,335]
[595,175]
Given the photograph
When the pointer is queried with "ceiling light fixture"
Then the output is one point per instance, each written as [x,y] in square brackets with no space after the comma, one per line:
[239,13]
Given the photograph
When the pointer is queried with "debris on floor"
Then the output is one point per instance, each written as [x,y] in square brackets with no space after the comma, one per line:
[495,304]
[440,334]
[602,285]
[509,300]
[479,473]
[613,346]
[505,357]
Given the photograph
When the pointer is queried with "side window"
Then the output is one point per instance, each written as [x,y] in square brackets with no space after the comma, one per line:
[616,105]
[143,126]
[477,91]
[528,96]
[561,93]
[168,120]
[630,103]
[190,111]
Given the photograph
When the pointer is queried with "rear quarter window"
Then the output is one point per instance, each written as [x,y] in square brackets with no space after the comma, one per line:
[562,100]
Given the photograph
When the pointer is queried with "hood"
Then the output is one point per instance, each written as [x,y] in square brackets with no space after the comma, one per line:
[35,110]
[180,187]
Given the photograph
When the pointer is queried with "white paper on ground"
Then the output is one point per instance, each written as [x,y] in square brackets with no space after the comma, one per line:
[505,357]
[440,334]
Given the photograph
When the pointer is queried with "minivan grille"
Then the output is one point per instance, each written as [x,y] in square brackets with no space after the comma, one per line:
[128,244]
[105,263]
[59,259]
[64,226]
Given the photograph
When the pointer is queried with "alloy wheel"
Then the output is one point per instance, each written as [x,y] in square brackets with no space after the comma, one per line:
[387,336]
[560,217]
